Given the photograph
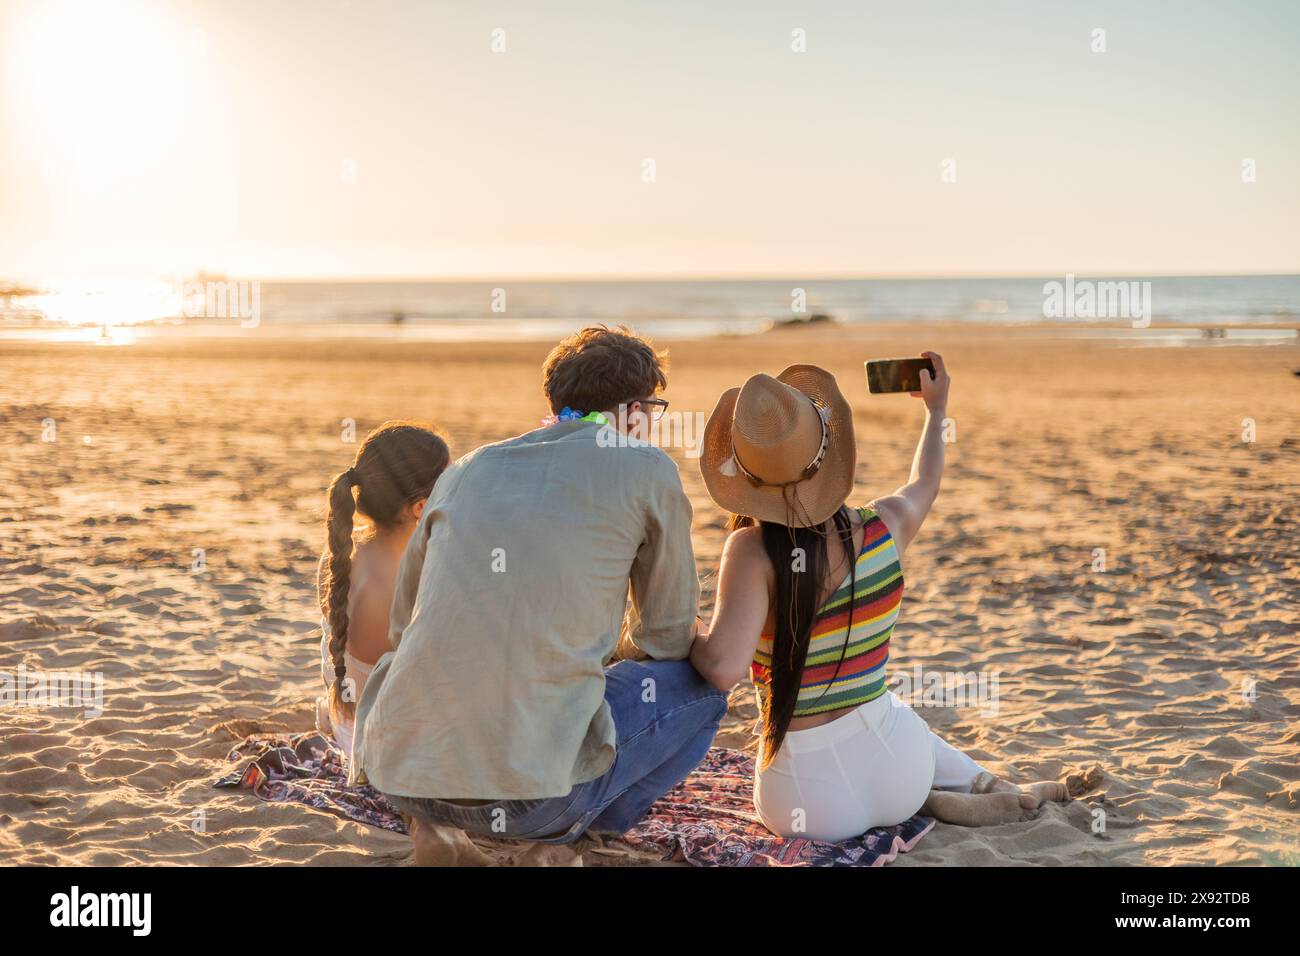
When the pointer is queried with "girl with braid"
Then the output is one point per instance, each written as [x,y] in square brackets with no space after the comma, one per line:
[388,483]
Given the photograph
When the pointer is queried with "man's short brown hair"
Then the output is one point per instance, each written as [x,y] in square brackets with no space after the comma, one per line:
[599,369]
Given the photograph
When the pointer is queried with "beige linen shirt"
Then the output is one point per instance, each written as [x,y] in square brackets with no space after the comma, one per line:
[509,601]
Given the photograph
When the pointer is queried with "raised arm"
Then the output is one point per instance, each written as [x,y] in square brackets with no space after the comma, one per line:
[904,511]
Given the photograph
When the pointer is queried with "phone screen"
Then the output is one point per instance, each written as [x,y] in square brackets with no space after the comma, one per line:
[896,375]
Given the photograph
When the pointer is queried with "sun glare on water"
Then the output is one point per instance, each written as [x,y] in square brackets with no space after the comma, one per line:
[97,95]
[103,310]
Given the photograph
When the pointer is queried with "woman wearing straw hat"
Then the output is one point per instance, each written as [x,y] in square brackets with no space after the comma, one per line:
[808,593]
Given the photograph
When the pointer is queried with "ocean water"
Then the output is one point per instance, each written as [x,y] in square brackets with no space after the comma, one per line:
[667,309]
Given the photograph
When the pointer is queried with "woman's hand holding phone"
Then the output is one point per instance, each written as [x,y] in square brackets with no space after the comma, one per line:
[904,511]
[934,388]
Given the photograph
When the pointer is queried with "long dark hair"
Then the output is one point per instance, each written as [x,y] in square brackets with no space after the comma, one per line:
[395,466]
[800,558]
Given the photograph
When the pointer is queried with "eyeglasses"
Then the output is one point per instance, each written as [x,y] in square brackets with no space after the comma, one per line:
[655,407]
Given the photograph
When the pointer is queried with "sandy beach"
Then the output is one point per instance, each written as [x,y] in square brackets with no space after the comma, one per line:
[168,535]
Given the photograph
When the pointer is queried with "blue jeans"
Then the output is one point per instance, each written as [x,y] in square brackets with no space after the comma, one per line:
[659,742]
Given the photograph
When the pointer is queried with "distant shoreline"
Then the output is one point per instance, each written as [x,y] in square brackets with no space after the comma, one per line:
[676,310]
[488,331]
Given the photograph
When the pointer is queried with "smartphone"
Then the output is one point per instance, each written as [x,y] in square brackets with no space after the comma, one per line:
[896,375]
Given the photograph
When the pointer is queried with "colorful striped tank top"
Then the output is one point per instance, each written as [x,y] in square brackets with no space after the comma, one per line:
[861,674]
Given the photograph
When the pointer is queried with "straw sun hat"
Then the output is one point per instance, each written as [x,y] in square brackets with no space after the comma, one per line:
[781,449]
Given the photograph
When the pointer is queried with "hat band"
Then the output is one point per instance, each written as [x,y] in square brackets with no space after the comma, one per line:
[823,413]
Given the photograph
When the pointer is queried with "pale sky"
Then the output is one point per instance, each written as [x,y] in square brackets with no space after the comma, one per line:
[326,138]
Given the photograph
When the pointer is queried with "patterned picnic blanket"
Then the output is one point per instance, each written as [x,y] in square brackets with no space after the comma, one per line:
[708,820]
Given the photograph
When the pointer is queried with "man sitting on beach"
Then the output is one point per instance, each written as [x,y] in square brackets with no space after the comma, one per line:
[495,713]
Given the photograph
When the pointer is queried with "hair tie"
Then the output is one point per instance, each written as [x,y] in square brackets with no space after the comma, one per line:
[352,476]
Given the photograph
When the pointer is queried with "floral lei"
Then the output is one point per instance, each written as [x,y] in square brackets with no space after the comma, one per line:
[568,414]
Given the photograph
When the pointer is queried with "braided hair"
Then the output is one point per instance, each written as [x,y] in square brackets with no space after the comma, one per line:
[396,465]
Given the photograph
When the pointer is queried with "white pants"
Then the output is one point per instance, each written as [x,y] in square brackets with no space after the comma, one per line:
[340,730]
[873,767]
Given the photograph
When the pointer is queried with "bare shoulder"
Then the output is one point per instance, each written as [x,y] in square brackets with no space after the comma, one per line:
[371,563]
[894,511]
[889,508]
[744,557]
[744,542]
